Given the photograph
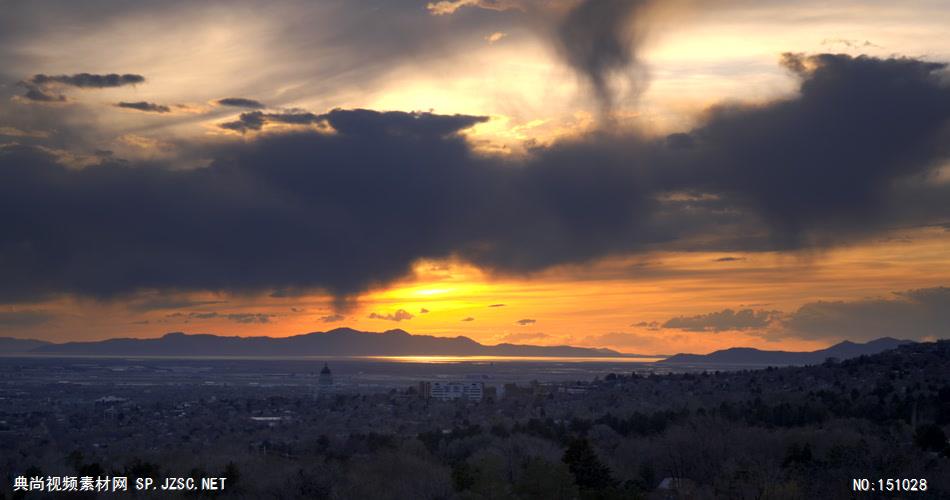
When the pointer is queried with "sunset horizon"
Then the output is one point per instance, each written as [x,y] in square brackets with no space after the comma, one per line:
[475,249]
[629,176]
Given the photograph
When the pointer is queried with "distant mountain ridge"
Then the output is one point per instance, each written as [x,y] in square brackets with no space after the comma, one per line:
[750,356]
[338,342]
[9,345]
[350,342]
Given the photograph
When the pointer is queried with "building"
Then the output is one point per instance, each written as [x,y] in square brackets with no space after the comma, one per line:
[325,382]
[515,391]
[448,391]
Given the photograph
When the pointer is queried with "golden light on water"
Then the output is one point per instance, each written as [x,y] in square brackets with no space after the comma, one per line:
[509,359]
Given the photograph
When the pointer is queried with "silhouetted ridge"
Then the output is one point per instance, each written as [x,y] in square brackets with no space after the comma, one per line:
[336,342]
[751,356]
[10,345]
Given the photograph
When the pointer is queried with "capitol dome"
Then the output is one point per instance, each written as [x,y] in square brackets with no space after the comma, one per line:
[326,377]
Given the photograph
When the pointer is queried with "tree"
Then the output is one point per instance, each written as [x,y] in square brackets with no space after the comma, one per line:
[589,472]
[797,454]
[490,475]
[543,479]
[930,437]
[233,474]
[463,477]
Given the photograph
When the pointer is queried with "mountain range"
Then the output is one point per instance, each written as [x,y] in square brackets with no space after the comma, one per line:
[350,342]
[750,356]
[338,342]
[10,345]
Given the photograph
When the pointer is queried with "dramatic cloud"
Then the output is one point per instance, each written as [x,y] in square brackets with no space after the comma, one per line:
[524,322]
[87,80]
[249,317]
[255,120]
[599,39]
[235,317]
[745,319]
[914,314]
[399,315]
[444,7]
[206,315]
[149,107]
[44,88]
[826,160]
[165,303]
[360,122]
[240,102]
[355,203]
[38,95]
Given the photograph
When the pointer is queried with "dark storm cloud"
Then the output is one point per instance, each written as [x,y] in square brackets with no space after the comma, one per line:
[728,319]
[419,125]
[207,315]
[255,120]
[88,80]
[249,317]
[599,39]
[43,88]
[240,102]
[823,166]
[360,41]
[364,123]
[38,95]
[913,314]
[148,107]
[235,317]
[164,303]
[347,211]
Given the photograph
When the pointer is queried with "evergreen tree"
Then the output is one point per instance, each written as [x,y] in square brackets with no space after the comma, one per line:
[589,472]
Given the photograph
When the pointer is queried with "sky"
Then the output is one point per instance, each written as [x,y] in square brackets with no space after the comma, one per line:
[652,177]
